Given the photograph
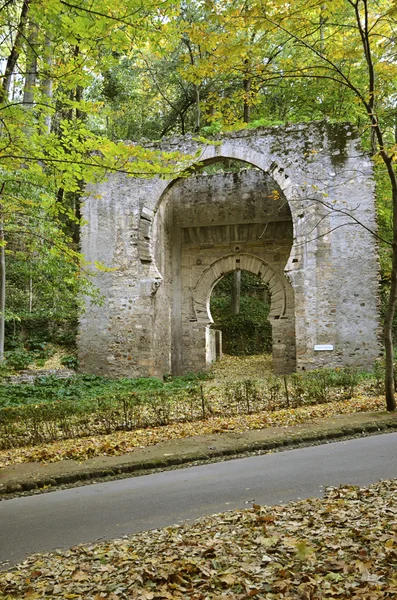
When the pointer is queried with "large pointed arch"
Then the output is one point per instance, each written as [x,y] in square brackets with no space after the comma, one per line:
[266,161]
[229,149]
[246,262]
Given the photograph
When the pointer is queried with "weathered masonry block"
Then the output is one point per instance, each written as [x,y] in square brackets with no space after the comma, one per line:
[300,216]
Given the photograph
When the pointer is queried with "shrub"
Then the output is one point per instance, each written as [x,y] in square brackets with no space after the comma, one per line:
[70,361]
[19,359]
[85,405]
[42,350]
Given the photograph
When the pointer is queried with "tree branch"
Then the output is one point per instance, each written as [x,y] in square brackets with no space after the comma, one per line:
[100,14]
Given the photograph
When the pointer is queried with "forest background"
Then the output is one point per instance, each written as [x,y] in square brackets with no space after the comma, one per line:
[78,76]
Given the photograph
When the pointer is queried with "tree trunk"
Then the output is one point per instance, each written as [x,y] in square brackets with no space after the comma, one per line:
[195,86]
[47,86]
[247,106]
[198,113]
[236,292]
[374,143]
[322,27]
[80,115]
[30,294]
[14,54]
[2,285]
[247,89]
[31,67]
[77,213]
[391,306]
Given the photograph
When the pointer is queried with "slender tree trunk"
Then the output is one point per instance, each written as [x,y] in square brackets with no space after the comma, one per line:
[322,27]
[47,86]
[31,67]
[77,213]
[30,294]
[236,292]
[196,87]
[266,295]
[374,145]
[395,128]
[2,281]
[79,96]
[247,89]
[14,54]
[391,306]
[198,113]
[74,94]
[247,106]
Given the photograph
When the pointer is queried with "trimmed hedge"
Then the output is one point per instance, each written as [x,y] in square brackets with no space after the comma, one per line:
[83,406]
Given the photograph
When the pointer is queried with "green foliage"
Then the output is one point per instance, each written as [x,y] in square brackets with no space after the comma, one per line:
[49,148]
[34,352]
[316,386]
[86,405]
[263,122]
[246,333]
[40,348]
[87,388]
[41,330]
[19,359]
[70,361]
[213,129]
[249,332]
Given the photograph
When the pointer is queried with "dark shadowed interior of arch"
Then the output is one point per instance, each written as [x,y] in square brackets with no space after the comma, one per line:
[240,306]
[225,210]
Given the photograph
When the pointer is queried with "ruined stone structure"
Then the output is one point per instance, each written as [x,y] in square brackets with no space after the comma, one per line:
[299,215]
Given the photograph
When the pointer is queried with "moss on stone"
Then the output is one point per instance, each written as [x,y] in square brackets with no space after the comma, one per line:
[338,141]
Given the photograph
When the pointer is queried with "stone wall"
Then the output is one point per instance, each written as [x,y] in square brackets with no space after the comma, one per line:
[293,218]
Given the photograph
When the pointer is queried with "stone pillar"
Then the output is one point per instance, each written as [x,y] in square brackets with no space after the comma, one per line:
[283,345]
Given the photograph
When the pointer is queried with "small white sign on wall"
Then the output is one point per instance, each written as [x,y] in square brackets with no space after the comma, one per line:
[322,347]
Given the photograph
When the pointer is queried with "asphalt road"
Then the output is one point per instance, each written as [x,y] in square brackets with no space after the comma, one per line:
[108,510]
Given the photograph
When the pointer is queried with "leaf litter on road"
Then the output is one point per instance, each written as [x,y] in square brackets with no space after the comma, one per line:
[341,547]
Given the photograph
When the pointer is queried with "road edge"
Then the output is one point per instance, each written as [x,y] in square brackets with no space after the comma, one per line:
[34,484]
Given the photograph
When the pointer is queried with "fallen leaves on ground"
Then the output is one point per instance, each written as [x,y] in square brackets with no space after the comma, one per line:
[241,368]
[341,547]
[121,442]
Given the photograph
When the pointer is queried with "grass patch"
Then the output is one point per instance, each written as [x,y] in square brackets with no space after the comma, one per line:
[82,388]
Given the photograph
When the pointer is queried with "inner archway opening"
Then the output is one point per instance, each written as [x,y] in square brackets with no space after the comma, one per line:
[240,307]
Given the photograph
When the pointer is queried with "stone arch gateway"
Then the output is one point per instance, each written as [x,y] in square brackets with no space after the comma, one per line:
[246,262]
[281,315]
[297,211]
